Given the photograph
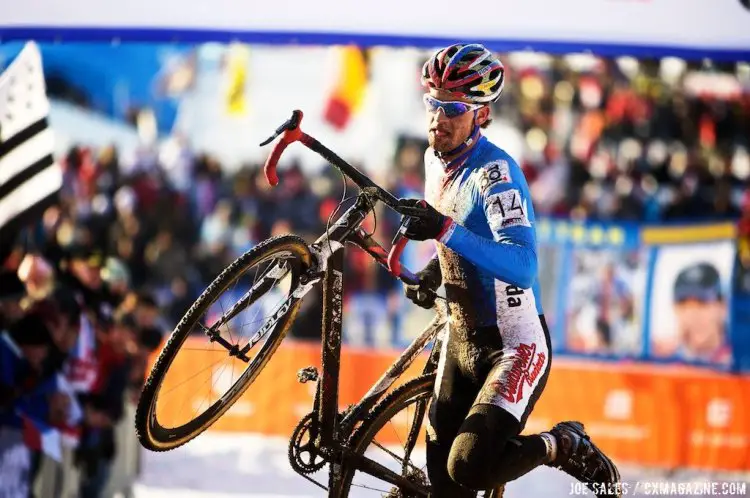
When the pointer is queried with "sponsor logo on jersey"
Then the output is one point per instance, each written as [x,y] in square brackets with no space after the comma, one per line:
[492,174]
[512,292]
[506,209]
[526,367]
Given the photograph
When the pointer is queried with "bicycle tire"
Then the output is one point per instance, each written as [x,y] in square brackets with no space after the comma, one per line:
[150,433]
[380,414]
[415,389]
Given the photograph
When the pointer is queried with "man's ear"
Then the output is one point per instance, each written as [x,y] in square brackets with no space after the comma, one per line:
[483,114]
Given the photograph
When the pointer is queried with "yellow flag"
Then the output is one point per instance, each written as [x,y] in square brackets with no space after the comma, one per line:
[238,60]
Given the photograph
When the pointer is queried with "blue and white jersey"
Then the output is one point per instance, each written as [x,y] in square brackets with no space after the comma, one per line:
[488,258]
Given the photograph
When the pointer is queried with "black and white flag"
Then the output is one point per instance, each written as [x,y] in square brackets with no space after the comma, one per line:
[30,179]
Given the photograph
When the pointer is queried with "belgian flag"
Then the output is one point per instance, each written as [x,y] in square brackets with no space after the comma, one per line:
[348,94]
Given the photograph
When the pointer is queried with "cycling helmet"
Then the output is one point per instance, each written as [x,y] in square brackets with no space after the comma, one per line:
[469,71]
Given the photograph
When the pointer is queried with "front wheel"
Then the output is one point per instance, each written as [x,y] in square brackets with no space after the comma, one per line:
[251,303]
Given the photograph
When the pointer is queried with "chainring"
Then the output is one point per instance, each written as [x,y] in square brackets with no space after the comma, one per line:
[304,457]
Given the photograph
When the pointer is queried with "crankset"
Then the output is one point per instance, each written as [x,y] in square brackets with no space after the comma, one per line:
[304,455]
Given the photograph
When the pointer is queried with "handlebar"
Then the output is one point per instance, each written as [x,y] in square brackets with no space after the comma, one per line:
[394,263]
[291,132]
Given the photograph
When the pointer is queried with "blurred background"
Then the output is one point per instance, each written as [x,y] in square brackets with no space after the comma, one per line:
[639,171]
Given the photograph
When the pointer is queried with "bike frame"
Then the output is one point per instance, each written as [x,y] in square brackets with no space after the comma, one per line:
[331,431]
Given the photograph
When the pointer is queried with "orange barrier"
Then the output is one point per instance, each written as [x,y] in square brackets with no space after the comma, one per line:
[649,415]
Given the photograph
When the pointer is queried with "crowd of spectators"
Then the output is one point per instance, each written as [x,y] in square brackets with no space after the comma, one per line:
[612,144]
[76,339]
[94,286]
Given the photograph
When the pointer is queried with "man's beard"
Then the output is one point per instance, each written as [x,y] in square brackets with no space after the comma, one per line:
[440,144]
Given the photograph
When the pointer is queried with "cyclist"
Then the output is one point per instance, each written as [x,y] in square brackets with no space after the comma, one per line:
[496,359]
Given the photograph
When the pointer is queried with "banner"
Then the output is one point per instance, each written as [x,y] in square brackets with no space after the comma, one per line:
[662,293]
[689,312]
[688,28]
[651,415]
[740,303]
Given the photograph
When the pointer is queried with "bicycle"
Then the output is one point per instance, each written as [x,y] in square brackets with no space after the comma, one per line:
[324,436]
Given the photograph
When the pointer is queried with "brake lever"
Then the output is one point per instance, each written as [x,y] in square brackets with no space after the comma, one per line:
[290,124]
[413,211]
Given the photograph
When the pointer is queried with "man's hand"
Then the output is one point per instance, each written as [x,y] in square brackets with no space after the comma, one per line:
[424,221]
[423,295]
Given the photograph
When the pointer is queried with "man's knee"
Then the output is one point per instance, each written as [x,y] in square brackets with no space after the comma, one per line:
[465,466]
[474,460]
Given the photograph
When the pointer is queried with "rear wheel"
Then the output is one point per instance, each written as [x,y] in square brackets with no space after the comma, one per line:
[393,435]
[222,343]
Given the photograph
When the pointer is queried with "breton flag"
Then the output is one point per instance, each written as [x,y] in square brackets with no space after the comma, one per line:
[30,180]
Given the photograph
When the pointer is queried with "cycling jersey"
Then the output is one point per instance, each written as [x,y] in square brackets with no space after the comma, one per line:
[488,259]
[488,265]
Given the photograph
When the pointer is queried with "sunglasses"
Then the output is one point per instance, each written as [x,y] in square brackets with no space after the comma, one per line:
[450,109]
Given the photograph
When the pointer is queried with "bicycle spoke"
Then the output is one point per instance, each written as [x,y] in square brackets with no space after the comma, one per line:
[263,278]
[411,440]
[370,488]
[400,459]
[260,288]
[275,316]
[223,314]
[261,283]
[259,308]
[374,468]
[393,428]
[277,273]
[241,303]
[195,375]
[186,398]
[405,414]
[254,340]
[256,320]
[213,383]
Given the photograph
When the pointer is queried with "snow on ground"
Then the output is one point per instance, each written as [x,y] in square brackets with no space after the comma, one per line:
[230,466]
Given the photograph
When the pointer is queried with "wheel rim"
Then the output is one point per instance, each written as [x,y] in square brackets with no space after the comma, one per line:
[214,378]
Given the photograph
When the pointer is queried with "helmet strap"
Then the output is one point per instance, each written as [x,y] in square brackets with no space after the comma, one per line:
[460,153]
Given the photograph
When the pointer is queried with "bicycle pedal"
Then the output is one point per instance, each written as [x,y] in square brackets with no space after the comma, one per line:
[307,374]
